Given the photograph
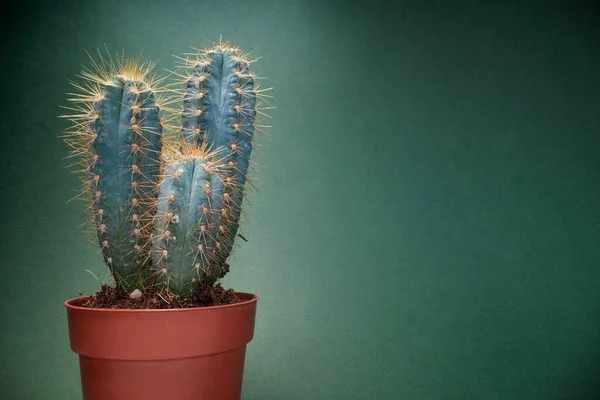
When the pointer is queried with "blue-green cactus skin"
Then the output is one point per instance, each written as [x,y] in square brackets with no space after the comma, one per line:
[186,224]
[219,111]
[124,174]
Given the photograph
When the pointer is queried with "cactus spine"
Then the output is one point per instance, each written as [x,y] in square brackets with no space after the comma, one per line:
[220,107]
[117,133]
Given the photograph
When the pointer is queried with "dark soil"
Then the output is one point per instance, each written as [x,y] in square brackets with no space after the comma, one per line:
[109,297]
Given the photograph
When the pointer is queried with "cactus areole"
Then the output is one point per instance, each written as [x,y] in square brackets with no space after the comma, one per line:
[164,192]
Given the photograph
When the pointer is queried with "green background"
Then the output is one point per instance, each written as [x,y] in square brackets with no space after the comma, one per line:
[427,220]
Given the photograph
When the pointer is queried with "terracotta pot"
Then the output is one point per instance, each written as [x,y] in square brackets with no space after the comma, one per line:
[179,354]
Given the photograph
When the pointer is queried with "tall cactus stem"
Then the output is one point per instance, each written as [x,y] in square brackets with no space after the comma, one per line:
[219,111]
[117,135]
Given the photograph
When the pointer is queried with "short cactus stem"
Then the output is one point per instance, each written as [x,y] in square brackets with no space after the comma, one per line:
[186,221]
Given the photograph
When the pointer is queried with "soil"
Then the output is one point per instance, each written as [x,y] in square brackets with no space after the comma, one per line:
[109,297]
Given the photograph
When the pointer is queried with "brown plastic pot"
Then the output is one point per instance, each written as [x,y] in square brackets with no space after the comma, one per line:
[176,354]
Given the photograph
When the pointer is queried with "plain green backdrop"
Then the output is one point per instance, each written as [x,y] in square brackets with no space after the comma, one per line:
[427,219]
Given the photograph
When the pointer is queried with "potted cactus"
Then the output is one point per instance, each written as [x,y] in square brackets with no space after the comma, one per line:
[165,202]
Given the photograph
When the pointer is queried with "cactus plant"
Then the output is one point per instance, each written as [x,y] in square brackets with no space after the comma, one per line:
[117,136]
[166,212]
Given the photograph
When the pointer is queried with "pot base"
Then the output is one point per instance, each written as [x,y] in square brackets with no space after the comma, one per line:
[164,379]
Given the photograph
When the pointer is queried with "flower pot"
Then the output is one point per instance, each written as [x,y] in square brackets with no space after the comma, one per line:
[174,354]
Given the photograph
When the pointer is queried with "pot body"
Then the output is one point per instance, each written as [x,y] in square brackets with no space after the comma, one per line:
[175,354]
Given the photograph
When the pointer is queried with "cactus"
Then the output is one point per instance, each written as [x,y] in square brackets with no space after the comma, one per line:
[219,112]
[117,133]
[166,214]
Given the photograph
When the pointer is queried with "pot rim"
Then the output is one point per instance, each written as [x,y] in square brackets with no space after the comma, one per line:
[252,298]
